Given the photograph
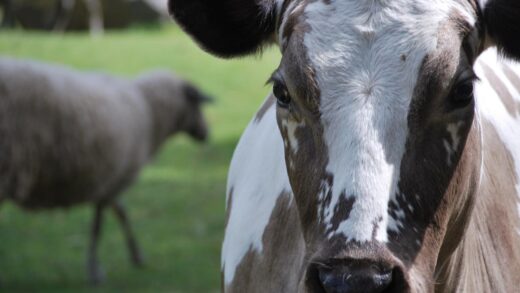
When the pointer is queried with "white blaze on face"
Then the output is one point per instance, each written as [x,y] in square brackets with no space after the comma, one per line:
[367,56]
[493,109]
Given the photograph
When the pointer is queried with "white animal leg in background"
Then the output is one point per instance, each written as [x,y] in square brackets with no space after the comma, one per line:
[135,253]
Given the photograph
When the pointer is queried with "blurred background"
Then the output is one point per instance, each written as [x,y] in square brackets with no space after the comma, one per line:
[177,207]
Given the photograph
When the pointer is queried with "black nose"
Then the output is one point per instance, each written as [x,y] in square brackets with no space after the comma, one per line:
[355,278]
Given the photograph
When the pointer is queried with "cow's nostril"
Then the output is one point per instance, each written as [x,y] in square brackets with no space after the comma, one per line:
[366,278]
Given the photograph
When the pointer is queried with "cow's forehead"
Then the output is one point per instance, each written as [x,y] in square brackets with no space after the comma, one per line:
[336,30]
[372,49]
[361,47]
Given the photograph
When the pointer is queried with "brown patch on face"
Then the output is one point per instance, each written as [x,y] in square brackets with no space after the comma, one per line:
[265,107]
[341,211]
[295,62]
[428,183]
[445,201]
[442,198]
[312,154]
[278,267]
[291,24]
[501,89]
[300,76]
[294,23]
[457,205]
[487,259]
[434,81]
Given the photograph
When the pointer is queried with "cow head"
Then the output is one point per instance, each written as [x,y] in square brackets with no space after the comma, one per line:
[375,106]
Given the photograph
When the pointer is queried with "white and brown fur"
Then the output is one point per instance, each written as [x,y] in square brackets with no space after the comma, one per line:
[377,158]
[71,137]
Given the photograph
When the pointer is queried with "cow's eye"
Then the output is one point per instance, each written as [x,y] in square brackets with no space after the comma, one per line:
[281,94]
[462,92]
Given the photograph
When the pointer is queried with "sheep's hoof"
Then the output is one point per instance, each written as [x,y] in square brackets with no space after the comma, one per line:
[96,276]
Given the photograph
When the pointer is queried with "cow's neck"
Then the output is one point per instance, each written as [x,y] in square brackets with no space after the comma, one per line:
[488,255]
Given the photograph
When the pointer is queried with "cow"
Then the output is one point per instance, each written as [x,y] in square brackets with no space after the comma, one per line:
[387,158]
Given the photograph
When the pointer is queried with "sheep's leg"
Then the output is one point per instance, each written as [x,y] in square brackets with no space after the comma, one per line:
[122,216]
[95,272]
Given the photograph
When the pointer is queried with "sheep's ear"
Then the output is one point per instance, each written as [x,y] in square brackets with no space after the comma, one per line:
[226,27]
[502,22]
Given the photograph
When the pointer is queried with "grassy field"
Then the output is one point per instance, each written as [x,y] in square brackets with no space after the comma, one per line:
[177,205]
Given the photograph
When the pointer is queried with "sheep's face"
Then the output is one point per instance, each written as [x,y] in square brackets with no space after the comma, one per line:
[175,104]
[194,123]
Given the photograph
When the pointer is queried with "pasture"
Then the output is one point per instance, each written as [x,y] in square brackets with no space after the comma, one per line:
[177,205]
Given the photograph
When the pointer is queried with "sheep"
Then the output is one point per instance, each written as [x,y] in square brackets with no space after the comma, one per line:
[68,137]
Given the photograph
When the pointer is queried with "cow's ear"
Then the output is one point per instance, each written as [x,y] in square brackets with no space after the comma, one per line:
[502,22]
[226,27]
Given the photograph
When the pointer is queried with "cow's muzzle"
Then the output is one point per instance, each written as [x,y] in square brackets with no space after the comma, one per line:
[355,277]
[358,276]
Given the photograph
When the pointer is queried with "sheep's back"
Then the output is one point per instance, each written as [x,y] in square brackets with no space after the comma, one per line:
[67,137]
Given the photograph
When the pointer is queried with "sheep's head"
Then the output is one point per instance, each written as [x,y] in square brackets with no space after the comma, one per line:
[194,122]
[175,104]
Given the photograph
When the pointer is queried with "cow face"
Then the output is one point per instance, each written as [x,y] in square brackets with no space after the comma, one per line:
[375,107]
[374,117]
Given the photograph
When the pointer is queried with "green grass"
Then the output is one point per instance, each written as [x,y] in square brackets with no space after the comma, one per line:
[177,205]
